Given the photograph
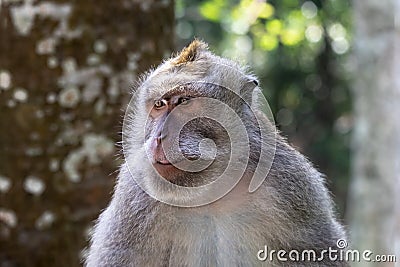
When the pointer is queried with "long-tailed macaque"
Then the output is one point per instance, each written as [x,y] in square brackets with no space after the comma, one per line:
[183,149]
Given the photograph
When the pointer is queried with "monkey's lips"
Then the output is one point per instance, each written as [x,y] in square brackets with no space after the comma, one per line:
[166,169]
[163,162]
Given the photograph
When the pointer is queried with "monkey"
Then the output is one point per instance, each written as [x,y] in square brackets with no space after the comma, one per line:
[175,155]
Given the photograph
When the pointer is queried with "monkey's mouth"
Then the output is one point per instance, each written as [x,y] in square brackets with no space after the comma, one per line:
[163,162]
[159,157]
[166,169]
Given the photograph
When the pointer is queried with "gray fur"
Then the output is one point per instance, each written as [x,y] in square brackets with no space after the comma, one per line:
[291,210]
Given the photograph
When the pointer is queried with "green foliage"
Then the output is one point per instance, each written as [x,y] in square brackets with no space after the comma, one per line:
[299,51]
[212,10]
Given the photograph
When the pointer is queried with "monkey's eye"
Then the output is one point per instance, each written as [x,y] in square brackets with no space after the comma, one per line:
[183,101]
[160,103]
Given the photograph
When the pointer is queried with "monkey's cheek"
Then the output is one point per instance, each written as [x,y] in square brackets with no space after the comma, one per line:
[167,171]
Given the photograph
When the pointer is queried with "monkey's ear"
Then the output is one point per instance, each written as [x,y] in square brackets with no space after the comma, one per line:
[191,52]
[247,89]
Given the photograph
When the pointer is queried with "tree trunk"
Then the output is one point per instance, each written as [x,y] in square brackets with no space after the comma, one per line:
[374,201]
[66,68]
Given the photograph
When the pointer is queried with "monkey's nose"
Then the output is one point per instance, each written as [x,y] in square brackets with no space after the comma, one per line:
[160,137]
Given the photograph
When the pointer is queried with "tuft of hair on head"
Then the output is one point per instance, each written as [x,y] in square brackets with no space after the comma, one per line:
[191,52]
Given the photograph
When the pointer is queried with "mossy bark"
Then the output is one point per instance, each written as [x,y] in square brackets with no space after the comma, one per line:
[66,68]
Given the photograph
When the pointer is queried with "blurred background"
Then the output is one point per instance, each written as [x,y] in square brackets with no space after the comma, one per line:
[329,69]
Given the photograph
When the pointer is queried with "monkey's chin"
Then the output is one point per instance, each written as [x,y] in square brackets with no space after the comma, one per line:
[168,171]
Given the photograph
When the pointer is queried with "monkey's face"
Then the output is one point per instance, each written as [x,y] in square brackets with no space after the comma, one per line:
[190,133]
[184,144]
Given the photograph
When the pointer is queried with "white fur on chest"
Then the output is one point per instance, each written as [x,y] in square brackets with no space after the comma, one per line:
[210,240]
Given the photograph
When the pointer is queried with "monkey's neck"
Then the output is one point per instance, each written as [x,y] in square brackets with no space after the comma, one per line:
[234,200]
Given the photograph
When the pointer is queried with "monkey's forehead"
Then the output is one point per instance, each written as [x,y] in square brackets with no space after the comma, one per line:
[167,77]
